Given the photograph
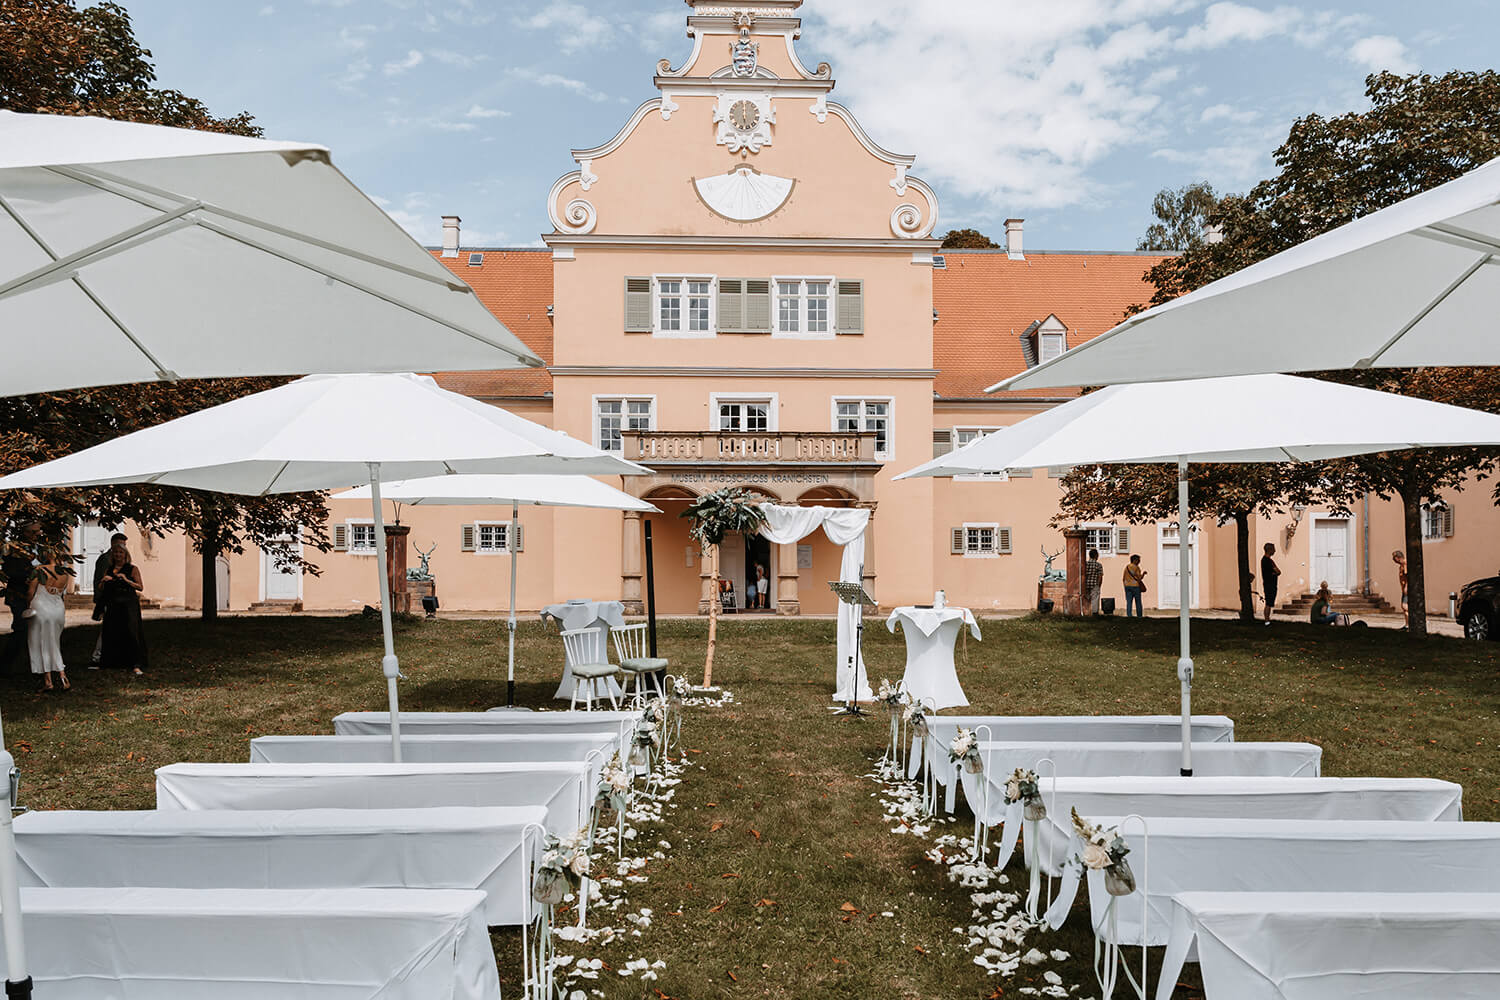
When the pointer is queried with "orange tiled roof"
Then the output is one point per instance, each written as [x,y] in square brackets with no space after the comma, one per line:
[515,285]
[985,301]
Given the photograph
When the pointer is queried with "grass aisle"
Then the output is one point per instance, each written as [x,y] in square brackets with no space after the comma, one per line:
[776,829]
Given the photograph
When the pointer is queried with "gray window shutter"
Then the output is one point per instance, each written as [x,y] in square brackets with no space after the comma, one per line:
[638,305]
[1447,520]
[341,538]
[519,530]
[1002,541]
[731,305]
[757,306]
[851,317]
[468,538]
[942,443]
[958,541]
[1122,541]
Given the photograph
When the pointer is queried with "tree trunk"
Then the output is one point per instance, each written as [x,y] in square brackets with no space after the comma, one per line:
[713,614]
[1416,585]
[1242,563]
[209,553]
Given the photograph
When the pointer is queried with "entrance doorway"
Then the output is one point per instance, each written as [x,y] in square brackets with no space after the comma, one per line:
[91,541]
[1168,562]
[279,582]
[1330,543]
[758,553]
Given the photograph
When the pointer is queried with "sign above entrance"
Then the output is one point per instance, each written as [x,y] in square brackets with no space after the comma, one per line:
[752,478]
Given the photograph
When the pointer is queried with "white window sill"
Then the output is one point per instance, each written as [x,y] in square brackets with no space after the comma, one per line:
[981,555]
[778,335]
[684,334]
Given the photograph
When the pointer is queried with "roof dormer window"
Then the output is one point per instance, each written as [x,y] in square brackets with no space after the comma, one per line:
[1044,340]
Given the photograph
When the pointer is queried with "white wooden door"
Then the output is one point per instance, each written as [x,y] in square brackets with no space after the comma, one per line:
[221,585]
[280,583]
[1168,581]
[93,541]
[732,565]
[1331,554]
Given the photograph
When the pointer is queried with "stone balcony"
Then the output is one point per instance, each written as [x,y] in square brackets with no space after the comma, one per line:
[712,448]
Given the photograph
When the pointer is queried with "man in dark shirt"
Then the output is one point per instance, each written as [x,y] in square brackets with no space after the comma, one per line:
[101,567]
[1093,581]
[17,564]
[1270,575]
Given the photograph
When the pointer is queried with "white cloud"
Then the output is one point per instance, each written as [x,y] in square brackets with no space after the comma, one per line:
[415,213]
[1381,52]
[443,126]
[559,82]
[577,28]
[477,111]
[450,58]
[1224,23]
[352,39]
[353,75]
[267,10]
[1226,112]
[412,60]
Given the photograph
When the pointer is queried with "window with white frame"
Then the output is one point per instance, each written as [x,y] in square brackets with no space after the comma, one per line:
[1437,521]
[669,305]
[684,305]
[1101,537]
[865,416]
[700,305]
[744,416]
[361,537]
[981,541]
[968,435]
[491,537]
[614,417]
[1052,346]
[804,306]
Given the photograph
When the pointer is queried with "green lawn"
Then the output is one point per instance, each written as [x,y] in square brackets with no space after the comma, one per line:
[777,828]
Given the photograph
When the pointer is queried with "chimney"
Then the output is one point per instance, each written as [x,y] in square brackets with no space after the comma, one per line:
[1013,238]
[450,235]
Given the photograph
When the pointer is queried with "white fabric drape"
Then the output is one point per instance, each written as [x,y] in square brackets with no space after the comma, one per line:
[844,526]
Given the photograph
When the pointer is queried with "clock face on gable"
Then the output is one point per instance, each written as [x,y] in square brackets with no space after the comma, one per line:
[744,115]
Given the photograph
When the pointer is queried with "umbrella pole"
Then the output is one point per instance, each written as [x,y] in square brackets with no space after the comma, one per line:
[1184,615]
[18,982]
[510,676]
[388,664]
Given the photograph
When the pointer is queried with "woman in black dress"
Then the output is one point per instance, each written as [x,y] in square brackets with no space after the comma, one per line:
[124,644]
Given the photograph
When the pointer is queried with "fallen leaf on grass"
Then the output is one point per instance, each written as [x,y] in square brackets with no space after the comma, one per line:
[734,977]
[716,909]
[730,875]
[849,908]
[755,834]
[766,902]
[716,828]
[920,950]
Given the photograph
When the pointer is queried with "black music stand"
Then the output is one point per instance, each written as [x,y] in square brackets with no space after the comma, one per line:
[854,594]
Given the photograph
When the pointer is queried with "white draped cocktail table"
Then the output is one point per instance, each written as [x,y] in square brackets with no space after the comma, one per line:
[1423,799]
[1065,728]
[931,633]
[562,788]
[435,848]
[569,615]
[258,944]
[1213,854]
[1334,946]
[1104,759]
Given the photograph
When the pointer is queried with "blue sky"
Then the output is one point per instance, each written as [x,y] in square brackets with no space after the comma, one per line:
[1070,113]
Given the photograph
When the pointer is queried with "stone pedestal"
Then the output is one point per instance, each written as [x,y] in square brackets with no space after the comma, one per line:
[418,589]
[1077,555]
[1053,590]
[395,564]
[631,565]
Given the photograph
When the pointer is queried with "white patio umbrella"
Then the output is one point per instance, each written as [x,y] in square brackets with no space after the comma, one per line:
[1294,419]
[1414,284]
[327,432]
[536,491]
[134,252]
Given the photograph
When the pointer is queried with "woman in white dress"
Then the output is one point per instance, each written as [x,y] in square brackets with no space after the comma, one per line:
[44,634]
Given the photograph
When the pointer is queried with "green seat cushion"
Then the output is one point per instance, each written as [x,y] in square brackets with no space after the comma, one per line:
[644,664]
[593,669]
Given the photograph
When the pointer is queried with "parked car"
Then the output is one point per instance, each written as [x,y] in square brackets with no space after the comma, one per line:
[1479,608]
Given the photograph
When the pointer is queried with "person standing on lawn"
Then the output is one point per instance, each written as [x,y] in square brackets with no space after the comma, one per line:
[1093,581]
[1135,586]
[1399,558]
[124,643]
[101,567]
[18,561]
[46,614]
[1270,577]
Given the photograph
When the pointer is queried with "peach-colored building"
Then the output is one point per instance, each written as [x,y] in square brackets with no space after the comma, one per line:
[742,286]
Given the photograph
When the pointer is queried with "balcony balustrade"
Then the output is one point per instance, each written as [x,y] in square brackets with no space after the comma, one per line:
[654,448]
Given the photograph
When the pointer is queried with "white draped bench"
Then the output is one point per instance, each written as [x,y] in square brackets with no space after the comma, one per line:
[315,944]
[495,721]
[1331,946]
[1422,799]
[436,848]
[562,788]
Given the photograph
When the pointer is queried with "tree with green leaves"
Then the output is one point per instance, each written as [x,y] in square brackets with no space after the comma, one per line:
[59,58]
[713,516]
[1218,492]
[1419,131]
[1181,217]
[968,239]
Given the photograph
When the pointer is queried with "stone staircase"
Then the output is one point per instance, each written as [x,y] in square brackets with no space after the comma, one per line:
[1344,604]
[73,601]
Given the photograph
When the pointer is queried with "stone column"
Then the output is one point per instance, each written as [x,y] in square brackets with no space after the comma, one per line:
[869,575]
[630,564]
[706,593]
[395,564]
[787,600]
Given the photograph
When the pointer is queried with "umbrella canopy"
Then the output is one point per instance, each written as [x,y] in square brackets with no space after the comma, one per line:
[323,432]
[1104,427]
[1414,284]
[536,491]
[134,252]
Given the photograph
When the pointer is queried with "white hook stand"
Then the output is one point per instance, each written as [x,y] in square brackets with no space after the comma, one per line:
[1107,947]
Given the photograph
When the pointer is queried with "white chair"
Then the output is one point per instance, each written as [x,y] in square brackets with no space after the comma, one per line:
[584,646]
[632,646]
